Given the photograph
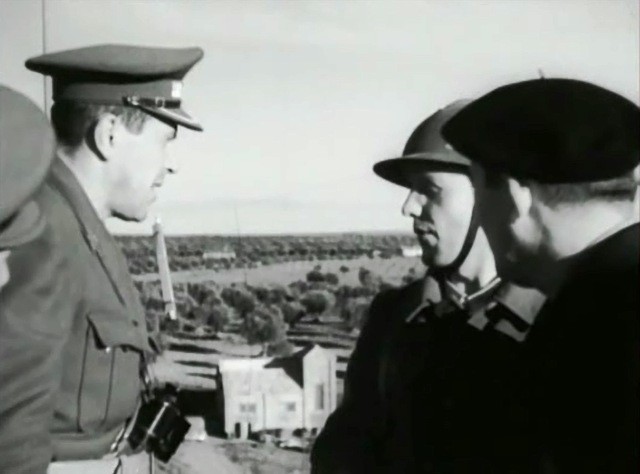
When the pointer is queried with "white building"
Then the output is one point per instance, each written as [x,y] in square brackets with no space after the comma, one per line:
[413,251]
[287,393]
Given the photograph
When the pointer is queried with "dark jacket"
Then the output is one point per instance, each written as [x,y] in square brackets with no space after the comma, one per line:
[72,337]
[585,350]
[439,394]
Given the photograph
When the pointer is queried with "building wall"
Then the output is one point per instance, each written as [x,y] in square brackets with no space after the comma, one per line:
[284,410]
[260,397]
[320,394]
[412,251]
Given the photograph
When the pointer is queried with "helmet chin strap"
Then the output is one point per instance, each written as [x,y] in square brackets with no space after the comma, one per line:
[441,273]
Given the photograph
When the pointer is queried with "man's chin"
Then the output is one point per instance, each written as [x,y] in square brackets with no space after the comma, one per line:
[131,217]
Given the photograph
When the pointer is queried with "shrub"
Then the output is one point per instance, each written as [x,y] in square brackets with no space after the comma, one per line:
[331,278]
[315,276]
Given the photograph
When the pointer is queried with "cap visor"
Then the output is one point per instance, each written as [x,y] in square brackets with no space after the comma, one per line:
[177,116]
[399,170]
[27,225]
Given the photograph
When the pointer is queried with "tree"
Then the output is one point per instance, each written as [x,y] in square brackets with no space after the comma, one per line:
[331,278]
[355,312]
[242,301]
[280,348]
[261,294]
[368,279]
[279,294]
[292,312]
[219,316]
[299,287]
[316,301]
[264,325]
[315,276]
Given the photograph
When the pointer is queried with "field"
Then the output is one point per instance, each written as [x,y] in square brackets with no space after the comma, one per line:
[392,269]
[260,296]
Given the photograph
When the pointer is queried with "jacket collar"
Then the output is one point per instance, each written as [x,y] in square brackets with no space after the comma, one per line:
[523,303]
[99,240]
[101,243]
[63,179]
[614,230]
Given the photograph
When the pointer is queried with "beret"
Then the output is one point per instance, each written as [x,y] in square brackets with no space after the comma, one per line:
[112,74]
[550,130]
[426,149]
[27,148]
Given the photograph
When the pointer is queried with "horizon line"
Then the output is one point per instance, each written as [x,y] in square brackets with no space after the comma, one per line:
[268,234]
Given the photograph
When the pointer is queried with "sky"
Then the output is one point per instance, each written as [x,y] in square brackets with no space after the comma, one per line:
[299,99]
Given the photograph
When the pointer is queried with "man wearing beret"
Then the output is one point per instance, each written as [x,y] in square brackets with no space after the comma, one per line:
[555,167]
[26,152]
[116,108]
[433,383]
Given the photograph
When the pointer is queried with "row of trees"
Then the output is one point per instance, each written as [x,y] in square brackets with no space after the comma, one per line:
[188,253]
[261,314]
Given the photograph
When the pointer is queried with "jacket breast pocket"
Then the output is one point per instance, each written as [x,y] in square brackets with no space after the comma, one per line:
[110,380]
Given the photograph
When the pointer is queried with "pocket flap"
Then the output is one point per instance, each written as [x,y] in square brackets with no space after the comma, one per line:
[111,330]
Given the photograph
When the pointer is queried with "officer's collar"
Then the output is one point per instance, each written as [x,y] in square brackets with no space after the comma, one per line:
[524,303]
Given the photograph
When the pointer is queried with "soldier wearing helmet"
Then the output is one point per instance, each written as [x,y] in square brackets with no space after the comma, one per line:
[433,383]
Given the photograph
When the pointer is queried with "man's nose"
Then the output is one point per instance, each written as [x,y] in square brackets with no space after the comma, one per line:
[5,273]
[412,206]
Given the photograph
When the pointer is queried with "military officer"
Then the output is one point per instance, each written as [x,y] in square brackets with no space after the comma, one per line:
[555,167]
[433,383]
[26,153]
[80,326]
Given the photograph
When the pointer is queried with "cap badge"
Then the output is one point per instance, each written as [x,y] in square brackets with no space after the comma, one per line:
[176,89]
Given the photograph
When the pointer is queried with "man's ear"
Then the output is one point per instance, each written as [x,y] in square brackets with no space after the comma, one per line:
[521,196]
[101,138]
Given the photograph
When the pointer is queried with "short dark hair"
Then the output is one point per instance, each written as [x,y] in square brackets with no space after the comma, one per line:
[622,188]
[72,120]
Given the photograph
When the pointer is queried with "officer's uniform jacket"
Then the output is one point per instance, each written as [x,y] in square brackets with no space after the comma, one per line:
[586,358]
[431,388]
[73,337]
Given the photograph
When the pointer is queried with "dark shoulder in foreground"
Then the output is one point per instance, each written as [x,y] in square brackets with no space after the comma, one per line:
[396,303]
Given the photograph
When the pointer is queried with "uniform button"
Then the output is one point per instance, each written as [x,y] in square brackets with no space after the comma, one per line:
[107,349]
[135,323]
